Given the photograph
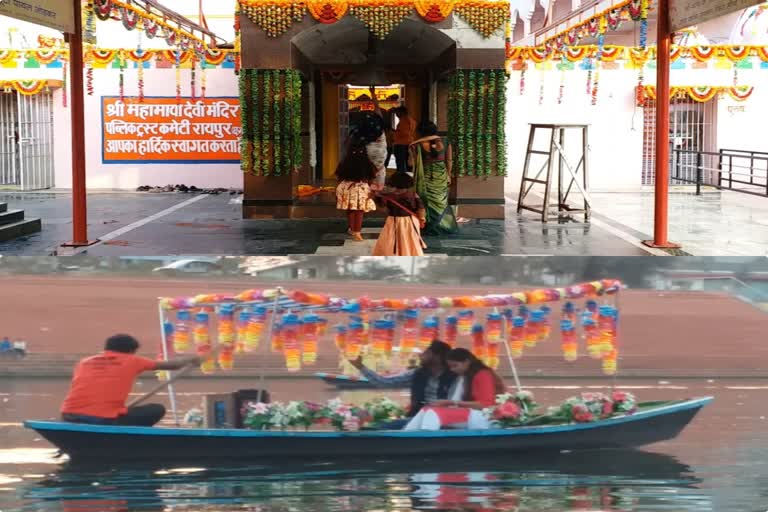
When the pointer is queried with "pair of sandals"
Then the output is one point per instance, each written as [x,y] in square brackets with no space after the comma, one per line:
[357,237]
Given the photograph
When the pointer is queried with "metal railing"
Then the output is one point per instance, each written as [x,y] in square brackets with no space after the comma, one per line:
[728,169]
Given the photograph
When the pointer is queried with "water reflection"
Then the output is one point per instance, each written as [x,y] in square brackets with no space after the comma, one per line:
[606,480]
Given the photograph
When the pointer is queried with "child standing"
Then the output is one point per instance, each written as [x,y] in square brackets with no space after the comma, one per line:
[353,194]
[401,235]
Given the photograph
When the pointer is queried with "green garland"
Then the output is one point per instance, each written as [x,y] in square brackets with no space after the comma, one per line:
[298,146]
[461,125]
[501,123]
[490,121]
[481,96]
[288,122]
[277,146]
[245,119]
[471,139]
[266,122]
[257,123]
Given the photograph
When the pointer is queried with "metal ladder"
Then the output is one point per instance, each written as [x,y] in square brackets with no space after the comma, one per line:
[557,162]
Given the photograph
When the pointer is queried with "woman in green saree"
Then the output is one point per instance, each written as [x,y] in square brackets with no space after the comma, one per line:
[431,157]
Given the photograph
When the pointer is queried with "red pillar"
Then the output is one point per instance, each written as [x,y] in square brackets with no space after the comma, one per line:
[661,211]
[77,106]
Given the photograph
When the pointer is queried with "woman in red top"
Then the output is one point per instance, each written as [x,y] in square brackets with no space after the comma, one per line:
[475,389]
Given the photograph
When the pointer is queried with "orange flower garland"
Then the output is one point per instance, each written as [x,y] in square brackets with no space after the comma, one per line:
[381,20]
[328,11]
[25,87]
[485,17]
[699,94]
[434,11]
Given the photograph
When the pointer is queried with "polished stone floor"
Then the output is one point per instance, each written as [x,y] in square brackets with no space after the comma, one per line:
[182,224]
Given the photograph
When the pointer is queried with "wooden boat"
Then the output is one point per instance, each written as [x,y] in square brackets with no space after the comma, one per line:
[351,383]
[652,423]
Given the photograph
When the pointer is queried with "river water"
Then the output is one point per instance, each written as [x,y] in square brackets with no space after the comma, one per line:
[719,463]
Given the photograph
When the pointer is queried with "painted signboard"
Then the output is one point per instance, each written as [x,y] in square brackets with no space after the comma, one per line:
[164,130]
[55,14]
[686,13]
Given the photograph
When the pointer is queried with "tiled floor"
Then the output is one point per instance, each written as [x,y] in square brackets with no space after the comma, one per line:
[212,225]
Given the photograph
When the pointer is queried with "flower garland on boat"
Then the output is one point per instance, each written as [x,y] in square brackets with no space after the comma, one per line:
[512,409]
[589,407]
[304,415]
[276,17]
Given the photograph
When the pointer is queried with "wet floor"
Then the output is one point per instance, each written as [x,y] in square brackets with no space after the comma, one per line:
[719,463]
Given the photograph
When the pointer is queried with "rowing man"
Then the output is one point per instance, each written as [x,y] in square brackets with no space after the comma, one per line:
[101,385]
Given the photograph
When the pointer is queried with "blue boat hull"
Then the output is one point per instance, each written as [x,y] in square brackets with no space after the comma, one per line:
[135,443]
[346,383]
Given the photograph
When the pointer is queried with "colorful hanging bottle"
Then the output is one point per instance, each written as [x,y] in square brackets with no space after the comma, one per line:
[341,338]
[310,335]
[181,335]
[451,330]
[523,312]
[569,312]
[545,327]
[493,328]
[277,337]
[241,339]
[256,324]
[322,327]
[517,337]
[355,338]
[290,342]
[478,342]
[569,340]
[409,335]
[379,345]
[466,319]
[607,329]
[169,332]
[592,308]
[533,328]
[226,336]
[391,326]
[591,337]
[202,337]
[429,332]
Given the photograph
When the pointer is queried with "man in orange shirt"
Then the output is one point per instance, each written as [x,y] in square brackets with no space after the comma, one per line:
[405,134]
[101,385]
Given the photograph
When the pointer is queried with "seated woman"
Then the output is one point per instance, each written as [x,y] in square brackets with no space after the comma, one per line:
[474,390]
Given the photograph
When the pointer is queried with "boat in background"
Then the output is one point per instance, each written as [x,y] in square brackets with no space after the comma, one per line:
[345,382]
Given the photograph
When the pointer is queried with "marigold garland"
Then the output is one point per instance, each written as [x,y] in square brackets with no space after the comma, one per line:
[501,123]
[470,141]
[381,20]
[699,94]
[246,139]
[267,121]
[25,87]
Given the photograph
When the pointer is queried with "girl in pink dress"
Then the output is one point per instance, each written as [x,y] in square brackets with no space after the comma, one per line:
[474,390]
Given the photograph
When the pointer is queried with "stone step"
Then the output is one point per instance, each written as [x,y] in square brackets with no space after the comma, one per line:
[11,216]
[19,229]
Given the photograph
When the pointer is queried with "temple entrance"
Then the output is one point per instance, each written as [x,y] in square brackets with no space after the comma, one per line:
[344,59]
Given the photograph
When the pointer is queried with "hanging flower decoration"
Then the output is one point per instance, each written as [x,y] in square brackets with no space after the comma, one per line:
[103,9]
[274,18]
[43,56]
[485,18]
[129,18]
[25,87]
[151,28]
[699,94]
[434,11]
[381,20]
[328,11]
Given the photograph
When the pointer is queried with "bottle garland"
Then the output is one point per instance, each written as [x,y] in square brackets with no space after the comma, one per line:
[277,146]
[492,116]
[267,122]
[471,124]
[480,96]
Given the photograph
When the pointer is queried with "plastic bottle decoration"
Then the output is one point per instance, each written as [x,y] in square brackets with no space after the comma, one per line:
[478,342]
[611,362]
[533,328]
[466,318]
[168,332]
[379,338]
[341,338]
[569,340]
[181,334]
[429,332]
[290,342]
[226,336]
[202,337]
[242,331]
[451,330]
[256,322]
[494,328]
[517,337]
[354,346]
[607,329]
[410,332]
[591,337]
[492,356]
[592,308]
[569,312]
[389,337]
[545,327]
[523,312]
[277,337]
[310,334]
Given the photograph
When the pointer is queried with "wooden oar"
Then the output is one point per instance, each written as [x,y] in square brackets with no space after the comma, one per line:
[162,385]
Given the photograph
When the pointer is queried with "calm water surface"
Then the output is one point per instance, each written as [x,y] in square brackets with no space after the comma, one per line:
[719,463]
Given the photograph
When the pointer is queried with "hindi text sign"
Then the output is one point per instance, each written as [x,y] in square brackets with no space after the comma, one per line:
[55,14]
[163,130]
[686,13]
